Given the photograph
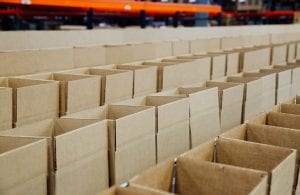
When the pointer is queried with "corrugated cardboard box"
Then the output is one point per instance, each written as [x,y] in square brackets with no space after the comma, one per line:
[117,54]
[180,47]
[205,45]
[270,135]
[131,138]
[172,123]
[23,166]
[218,63]
[133,189]
[279,54]
[231,103]
[204,111]
[77,153]
[181,178]
[88,55]
[77,92]
[161,49]
[144,78]
[278,162]
[173,73]
[116,85]
[33,100]
[6,106]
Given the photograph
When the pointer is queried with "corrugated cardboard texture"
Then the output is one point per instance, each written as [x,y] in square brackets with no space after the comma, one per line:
[133,189]
[208,179]
[283,120]
[280,162]
[279,54]
[6,108]
[23,166]
[33,100]
[91,55]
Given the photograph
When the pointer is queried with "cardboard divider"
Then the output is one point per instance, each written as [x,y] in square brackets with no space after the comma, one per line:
[180,47]
[270,135]
[77,153]
[131,145]
[205,45]
[116,85]
[291,58]
[232,61]
[278,162]
[88,55]
[218,63]
[133,189]
[77,92]
[203,108]
[32,99]
[6,111]
[180,178]
[172,123]
[29,157]
[173,73]
[252,100]
[279,54]
[144,78]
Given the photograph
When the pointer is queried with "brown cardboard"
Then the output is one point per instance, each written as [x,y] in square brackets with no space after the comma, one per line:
[208,179]
[277,161]
[133,189]
[144,78]
[253,59]
[204,111]
[230,102]
[116,85]
[89,55]
[77,153]
[23,166]
[291,52]
[172,122]
[279,54]
[6,108]
[205,45]
[173,73]
[180,47]
[77,92]
[118,54]
[131,145]
[232,61]
[161,49]
[33,100]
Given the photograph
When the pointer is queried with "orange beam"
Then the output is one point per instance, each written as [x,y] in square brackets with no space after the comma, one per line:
[123,6]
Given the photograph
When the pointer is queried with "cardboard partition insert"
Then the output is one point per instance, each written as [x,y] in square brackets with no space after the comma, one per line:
[6,106]
[254,58]
[133,189]
[232,61]
[279,54]
[33,100]
[180,178]
[89,55]
[278,162]
[29,157]
[131,144]
[77,153]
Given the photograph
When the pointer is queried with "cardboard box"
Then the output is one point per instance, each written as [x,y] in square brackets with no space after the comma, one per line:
[252,101]
[133,190]
[291,52]
[173,73]
[77,153]
[88,55]
[298,51]
[116,85]
[118,54]
[6,106]
[205,45]
[218,63]
[232,61]
[161,49]
[172,123]
[33,100]
[77,92]
[208,179]
[277,136]
[131,144]
[255,58]
[144,78]
[279,54]
[278,162]
[180,47]
[204,111]
[23,166]
[231,103]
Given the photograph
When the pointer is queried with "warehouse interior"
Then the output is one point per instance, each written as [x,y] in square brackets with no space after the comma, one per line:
[129,97]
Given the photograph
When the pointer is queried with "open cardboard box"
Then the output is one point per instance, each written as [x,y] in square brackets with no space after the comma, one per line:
[173,73]
[278,162]
[77,92]
[217,62]
[279,54]
[88,55]
[204,111]
[133,189]
[131,144]
[271,135]
[33,100]
[191,177]
[172,123]
[116,85]
[232,61]
[6,106]
[252,100]
[77,153]
[23,166]
[144,78]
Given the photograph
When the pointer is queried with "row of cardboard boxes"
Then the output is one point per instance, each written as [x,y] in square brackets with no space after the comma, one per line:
[91,149]
[30,98]
[258,157]
[54,59]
